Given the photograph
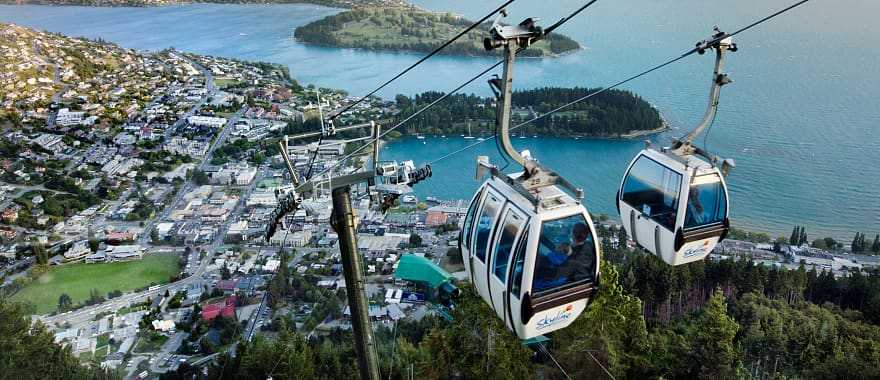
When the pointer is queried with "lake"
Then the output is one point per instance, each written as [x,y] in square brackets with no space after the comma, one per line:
[800,118]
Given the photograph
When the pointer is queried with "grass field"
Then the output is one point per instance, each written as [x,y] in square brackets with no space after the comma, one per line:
[220,83]
[77,280]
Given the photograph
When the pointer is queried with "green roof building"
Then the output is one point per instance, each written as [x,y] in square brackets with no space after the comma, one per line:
[422,271]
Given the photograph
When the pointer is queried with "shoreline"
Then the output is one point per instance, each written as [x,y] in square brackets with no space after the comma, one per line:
[662,128]
[441,53]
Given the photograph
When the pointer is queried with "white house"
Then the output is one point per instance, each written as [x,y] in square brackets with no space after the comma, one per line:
[66,118]
[206,121]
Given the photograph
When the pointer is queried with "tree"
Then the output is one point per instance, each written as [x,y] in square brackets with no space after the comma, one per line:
[64,302]
[454,255]
[258,158]
[415,240]
[856,245]
[612,330]
[200,178]
[279,287]
[287,357]
[40,253]
[476,345]
[95,297]
[94,244]
[206,346]
[713,354]
[795,236]
[777,244]
[28,351]
[831,243]
[876,246]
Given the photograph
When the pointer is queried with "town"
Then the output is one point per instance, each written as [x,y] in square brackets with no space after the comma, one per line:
[135,205]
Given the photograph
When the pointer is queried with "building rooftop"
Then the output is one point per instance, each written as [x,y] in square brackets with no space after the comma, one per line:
[420,269]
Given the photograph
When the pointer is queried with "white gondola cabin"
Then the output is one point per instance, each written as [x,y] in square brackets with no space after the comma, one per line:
[536,264]
[673,202]
[676,207]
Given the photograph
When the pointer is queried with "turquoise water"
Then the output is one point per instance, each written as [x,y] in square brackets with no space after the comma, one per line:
[800,118]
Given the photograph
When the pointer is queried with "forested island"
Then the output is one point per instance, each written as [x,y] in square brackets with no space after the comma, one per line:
[614,113]
[414,29]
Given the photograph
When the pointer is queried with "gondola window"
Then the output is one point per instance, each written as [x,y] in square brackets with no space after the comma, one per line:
[511,227]
[518,262]
[469,219]
[707,203]
[653,189]
[485,223]
[565,254]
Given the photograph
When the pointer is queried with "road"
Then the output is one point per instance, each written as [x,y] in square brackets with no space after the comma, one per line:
[56,98]
[167,351]
[132,367]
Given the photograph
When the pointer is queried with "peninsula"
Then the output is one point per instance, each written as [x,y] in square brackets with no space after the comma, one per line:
[413,29]
[610,114]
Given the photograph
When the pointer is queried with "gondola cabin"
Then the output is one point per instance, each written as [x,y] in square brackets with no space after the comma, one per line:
[676,207]
[535,262]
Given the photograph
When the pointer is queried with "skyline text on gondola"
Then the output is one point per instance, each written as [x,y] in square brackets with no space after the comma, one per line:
[562,315]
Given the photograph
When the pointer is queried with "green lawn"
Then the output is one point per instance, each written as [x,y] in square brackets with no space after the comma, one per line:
[221,83]
[77,280]
[150,343]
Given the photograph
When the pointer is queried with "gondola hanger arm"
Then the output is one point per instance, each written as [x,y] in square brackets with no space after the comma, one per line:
[721,42]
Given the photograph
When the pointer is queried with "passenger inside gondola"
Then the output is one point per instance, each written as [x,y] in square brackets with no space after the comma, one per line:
[571,260]
[707,203]
[695,208]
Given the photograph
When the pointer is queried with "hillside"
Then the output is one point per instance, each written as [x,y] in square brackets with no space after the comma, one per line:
[409,28]
[39,67]
[613,113]
[149,3]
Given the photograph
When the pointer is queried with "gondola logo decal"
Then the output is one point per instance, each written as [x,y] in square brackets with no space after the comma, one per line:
[698,250]
[562,315]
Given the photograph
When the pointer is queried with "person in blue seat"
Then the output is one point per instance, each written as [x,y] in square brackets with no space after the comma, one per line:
[568,263]
[695,208]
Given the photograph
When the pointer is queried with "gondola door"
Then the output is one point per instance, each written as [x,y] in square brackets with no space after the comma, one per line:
[483,236]
[507,234]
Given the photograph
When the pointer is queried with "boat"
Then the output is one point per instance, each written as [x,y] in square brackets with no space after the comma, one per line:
[469,133]
[420,137]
